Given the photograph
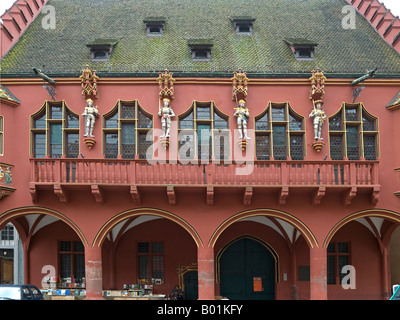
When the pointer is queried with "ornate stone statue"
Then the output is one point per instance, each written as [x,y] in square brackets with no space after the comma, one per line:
[90,114]
[319,117]
[242,115]
[166,113]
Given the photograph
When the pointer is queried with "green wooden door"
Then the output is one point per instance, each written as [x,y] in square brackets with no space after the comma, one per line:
[247,271]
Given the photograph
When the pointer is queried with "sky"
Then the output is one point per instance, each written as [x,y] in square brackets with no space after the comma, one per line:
[393,5]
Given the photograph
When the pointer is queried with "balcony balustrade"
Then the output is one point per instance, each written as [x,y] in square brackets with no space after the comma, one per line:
[347,176]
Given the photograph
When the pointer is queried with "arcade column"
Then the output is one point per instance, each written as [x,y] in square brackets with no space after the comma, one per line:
[318,274]
[206,273]
[93,273]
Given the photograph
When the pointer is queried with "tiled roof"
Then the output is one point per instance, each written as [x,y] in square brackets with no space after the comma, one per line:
[79,22]
[7,97]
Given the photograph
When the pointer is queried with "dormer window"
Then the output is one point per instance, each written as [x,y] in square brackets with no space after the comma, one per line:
[243,25]
[303,49]
[200,50]
[100,49]
[154,26]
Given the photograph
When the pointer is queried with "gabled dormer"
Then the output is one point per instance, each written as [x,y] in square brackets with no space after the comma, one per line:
[200,49]
[303,49]
[243,25]
[100,49]
[155,26]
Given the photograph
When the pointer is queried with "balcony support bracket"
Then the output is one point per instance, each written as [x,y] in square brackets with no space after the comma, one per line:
[284,193]
[210,195]
[171,195]
[248,193]
[134,191]
[61,193]
[349,195]
[375,195]
[318,195]
[97,193]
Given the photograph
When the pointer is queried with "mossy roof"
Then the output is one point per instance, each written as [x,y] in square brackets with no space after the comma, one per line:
[79,22]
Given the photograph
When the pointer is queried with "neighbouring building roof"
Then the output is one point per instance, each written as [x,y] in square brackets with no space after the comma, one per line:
[7,97]
[63,50]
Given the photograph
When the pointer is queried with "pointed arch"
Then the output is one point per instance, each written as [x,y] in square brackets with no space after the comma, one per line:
[115,220]
[380,213]
[269,213]
[32,210]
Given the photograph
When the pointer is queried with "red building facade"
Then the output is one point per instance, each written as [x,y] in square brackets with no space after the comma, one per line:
[275,216]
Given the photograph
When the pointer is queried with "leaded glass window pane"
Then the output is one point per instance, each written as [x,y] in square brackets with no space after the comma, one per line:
[352,143]
[204,141]
[56,112]
[128,111]
[55,140]
[158,267]
[351,114]
[187,122]
[262,147]
[111,145]
[335,124]
[219,122]
[368,123]
[186,149]
[72,145]
[221,144]
[40,123]
[128,140]
[279,142]
[143,145]
[369,147]
[144,121]
[263,122]
[112,122]
[296,147]
[331,275]
[72,121]
[203,112]
[39,145]
[295,124]
[144,267]
[278,114]
[336,146]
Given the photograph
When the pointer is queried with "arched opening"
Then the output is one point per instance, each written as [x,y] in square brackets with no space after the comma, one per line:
[140,256]
[247,269]
[52,249]
[280,242]
[366,241]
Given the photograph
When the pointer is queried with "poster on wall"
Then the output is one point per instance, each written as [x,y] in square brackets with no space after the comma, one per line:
[257,284]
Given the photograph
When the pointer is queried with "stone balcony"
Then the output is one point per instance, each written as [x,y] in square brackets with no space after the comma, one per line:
[318,178]
[6,187]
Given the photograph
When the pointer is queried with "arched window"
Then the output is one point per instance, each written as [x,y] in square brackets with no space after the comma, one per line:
[353,133]
[204,132]
[279,133]
[55,131]
[126,131]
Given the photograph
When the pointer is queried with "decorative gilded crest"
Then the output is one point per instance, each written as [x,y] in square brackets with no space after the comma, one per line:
[166,85]
[89,81]
[240,81]
[317,85]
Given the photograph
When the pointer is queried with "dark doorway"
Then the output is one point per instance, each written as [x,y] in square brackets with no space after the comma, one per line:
[191,285]
[247,271]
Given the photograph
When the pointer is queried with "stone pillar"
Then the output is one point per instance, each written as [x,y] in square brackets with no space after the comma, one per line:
[206,273]
[93,273]
[318,274]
